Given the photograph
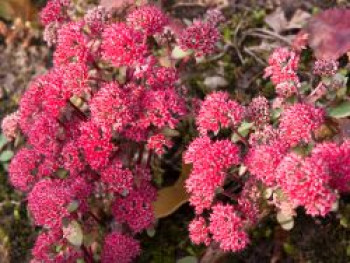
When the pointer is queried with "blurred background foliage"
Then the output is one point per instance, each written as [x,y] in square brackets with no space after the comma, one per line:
[253,28]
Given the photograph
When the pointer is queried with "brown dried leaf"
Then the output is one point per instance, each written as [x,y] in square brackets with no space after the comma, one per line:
[172,197]
[298,20]
[277,20]
[279,23]
[329,33]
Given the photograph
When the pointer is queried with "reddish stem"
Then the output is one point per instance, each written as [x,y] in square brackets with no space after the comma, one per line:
[98,79]
[149,158]
[99,221]
[78,111]
[142,148]
[87,256]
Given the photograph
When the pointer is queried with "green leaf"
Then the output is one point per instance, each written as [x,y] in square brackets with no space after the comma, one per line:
[276,113]
[243,129]
[3,140]
[289,249]
[58,248]
[170,132]
[73,233]
[16,214]
[73,206]
[6,156]
[179,53]
[151,231]
[340,111]
[188,259]
[227,34]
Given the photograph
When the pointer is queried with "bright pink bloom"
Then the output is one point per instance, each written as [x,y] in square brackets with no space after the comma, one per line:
[137,132]
[227,228]
[157,143]
[71,158]
[43,135]
[119,248]
[283,64]
[150,19]
[54,97]
[262,161]
[161,77]
[49,199]
[75,79]
[22,169]
[96,145]
[48,202]
[136,208]
[337,158]
[305,182]
[118,179]
[210,161]
[299,121]
[259,111]
[218,111]
[123,45]
[162,108]
[113,107]
[72,44]
[51,12]
[199,232]
[44,246]
[200,37]
[31,104]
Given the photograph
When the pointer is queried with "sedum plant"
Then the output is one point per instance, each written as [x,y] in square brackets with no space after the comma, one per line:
[94,122]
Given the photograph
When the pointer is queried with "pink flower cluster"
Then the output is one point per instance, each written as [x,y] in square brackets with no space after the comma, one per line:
[93,124]
[96,121]
[119,248]
[10,125]
[202,36]
[283,64]
[219,111]
[210,162]
[277,154]
[299,121]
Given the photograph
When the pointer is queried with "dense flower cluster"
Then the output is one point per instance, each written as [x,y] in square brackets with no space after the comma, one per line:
[283,64]
[210,161]
[277,154]
[325,67]
[299,121]
[94,123]
[119,248]
[201,37]
[219,111]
